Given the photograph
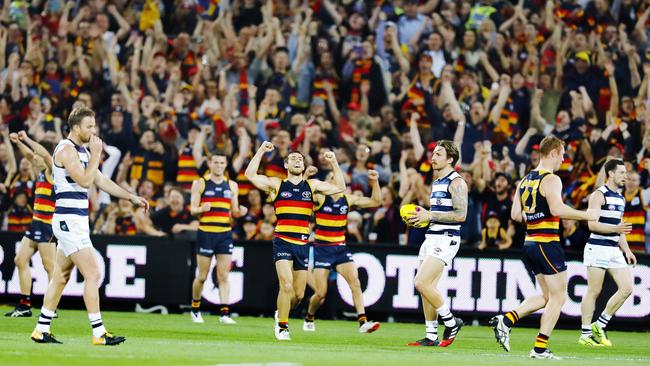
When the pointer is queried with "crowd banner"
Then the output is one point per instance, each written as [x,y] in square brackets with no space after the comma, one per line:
[154,271]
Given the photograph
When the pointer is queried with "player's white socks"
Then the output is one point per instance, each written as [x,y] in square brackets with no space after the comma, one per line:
[97,324]
[586,330]
[603,319]
[446,316]
[44,320]
[431,329]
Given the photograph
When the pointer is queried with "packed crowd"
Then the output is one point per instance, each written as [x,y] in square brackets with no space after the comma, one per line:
[377,82]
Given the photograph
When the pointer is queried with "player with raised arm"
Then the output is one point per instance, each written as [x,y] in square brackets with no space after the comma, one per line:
[538,203]
[330,250]
[214,200]
[74,170]
[606,252]
[448,211]
[39,236]
[293,200]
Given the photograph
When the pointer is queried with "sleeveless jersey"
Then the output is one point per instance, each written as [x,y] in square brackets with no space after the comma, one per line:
[293,207]
[440,201]
[611,213]
[541,226]
[44,201]
[219,196]
[331,221]
[71,198]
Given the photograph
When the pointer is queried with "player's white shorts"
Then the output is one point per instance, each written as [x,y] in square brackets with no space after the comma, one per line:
[603,257]
[72,233]
[442,247]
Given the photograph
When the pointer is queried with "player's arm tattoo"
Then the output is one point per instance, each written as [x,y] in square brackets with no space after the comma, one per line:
[458,190]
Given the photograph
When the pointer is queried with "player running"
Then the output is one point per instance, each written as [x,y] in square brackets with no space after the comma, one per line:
[448,210]
[538,203]
[214,200]
[294,205]
[330,250]
[39,235]
[603,254]
[74,169]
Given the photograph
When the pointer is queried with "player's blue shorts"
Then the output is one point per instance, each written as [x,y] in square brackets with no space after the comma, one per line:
[299,254]
[209,244]
[544,258]
[331,256]
[39,232]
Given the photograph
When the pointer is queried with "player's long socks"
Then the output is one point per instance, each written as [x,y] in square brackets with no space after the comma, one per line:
[309,318]
[97,324]
[225,311]
[541,343]
[196,306]
[510,319]
[586,330]
[603,319]
[44,320]
[361,318]
[283,325]
[431,327]
[446,316]
[26,301]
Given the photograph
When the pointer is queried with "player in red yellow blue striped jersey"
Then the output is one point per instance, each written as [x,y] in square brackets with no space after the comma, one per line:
[39,235]
[330,250]
[293,200]
[538,203]
[214,200]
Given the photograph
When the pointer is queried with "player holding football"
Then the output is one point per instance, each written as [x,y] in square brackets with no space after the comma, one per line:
[538,203]
[606,252]
[293,200]
[330,250]
[214,199]
[448,210]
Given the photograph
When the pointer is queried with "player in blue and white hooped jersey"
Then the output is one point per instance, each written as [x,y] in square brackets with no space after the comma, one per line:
[74,170]
[448,211]
[606,251]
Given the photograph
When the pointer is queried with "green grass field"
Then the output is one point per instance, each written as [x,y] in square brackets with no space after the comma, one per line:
[154,339]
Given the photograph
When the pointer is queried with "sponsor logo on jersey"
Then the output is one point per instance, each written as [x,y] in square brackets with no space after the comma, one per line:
[286,195]
[611,207]
[327,209]
[209,193]
[227,194]
[306,195]
[343,210]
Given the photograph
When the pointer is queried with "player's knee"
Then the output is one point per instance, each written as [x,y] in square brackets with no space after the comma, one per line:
[420,285]
[286,287]
[202,277]
[20,261]
[60,278]
[558,297]
[593,293]
[299,296]
[92,277]
[626,290]
[222,276]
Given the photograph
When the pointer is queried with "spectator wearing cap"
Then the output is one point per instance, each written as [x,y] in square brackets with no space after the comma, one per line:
[249,227]
[577,72]
[175,218]
[411,22]
[497,199]
[493,235]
